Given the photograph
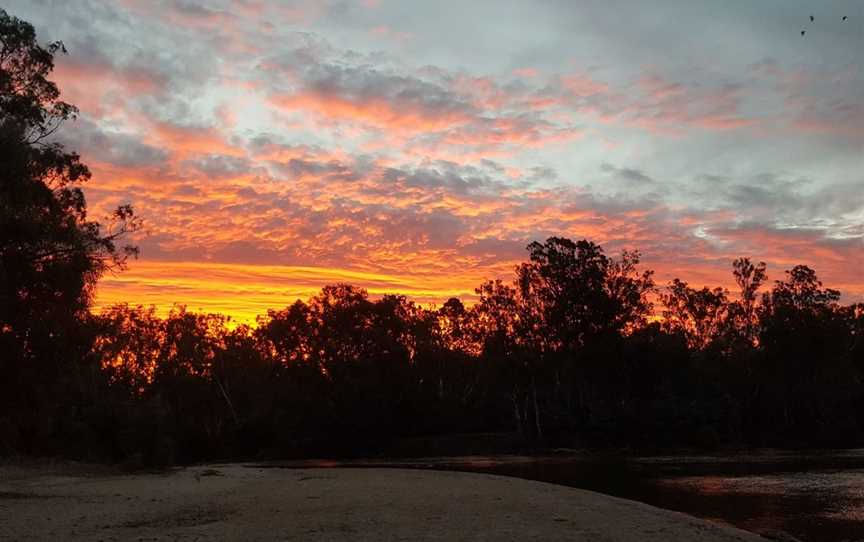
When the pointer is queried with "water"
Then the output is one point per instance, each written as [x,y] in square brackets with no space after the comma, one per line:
[813,497]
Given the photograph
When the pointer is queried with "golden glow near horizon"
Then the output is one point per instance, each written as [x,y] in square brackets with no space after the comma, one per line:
[247,291]
[272,150]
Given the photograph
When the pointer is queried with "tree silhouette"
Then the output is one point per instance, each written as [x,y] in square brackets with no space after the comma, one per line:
[699,315]
[577,292]
[806,343]
[749,278]
[566,354]
[51,254]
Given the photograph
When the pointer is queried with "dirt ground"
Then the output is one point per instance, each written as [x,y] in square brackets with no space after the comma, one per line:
[237,502]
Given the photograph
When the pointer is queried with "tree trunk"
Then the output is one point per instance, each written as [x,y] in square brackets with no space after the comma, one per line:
[227,400]
[536,410]
[517,415]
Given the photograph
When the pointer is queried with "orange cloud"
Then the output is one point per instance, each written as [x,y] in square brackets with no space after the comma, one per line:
[238,246]
[379,113]
[183,140]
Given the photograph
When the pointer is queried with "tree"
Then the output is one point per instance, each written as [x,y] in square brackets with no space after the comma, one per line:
[127,346]
[51,253]
[28,100]
[574,304]
[801,291]
[494,320]
[577,293]
[808,377]
[498,324]
[749,278]
[699,315]
[453,327]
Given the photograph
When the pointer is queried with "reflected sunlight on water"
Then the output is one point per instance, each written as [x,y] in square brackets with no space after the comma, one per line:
[813,497]
[832,500]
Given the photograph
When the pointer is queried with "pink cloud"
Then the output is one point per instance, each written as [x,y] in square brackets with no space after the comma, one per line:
[526,72]
[388,33]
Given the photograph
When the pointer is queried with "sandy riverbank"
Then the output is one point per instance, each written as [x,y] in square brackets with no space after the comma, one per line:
[233,502]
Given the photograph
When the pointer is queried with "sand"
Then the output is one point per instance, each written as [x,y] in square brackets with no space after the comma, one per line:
[237,502]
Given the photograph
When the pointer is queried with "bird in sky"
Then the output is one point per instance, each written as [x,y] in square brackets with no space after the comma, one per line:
[845,17]
[803,32]
[812,18]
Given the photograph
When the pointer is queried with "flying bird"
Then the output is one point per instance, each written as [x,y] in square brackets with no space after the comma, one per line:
[812,18]
[845,17]
[803,32]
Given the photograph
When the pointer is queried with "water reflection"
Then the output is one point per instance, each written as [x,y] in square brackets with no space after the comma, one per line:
[813,497]
[818,505]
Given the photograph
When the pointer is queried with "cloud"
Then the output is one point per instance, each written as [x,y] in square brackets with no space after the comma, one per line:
[434,112]
[628,174]
[221,166]
[822,102]
[114,148]
[452,222]
[784,201]
[275,147]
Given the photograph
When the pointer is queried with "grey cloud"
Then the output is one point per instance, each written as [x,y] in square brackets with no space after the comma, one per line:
[628,174]
[194,9]
[364,83]
[543,173]
[187,190]
[247,192]
[492,165]
[495,249]
[430,178]
[298,167]
[220,166]
[780,200]
[119,149]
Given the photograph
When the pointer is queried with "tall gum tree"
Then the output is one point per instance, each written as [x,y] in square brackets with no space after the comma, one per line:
[51,252]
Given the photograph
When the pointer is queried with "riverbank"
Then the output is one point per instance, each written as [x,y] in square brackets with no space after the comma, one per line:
[235,502]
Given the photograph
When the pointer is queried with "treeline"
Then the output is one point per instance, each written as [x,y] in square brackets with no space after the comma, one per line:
[569,354]
[565,356]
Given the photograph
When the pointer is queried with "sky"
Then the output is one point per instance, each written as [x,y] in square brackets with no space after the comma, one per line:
[417,147]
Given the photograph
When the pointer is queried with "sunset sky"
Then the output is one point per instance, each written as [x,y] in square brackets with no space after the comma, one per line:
[417,147]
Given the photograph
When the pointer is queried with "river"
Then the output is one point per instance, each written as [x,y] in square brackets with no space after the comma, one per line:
[814,497]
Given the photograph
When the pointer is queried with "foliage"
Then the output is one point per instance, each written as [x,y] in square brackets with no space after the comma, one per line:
[565,355]
[51,253]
